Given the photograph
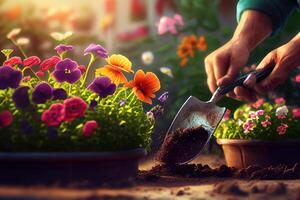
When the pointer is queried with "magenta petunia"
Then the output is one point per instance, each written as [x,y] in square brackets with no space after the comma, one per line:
[54,115]
[9,77]
[13,61]
[97,50]
[67,71]
[74,107]
[102,86]
[89,127]
[6,118]
[31,61]
[62,48]
[49,63]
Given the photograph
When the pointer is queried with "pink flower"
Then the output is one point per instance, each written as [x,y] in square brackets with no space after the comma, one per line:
[179,20]
[54,115]
[40,73]
[281,129]
[248,126]
[74,107]
[252,115]
[266,123]
[297,78]
[82,68]
[13,61]
[260,112]
[258,103]
[49,63]
[6,118]
[227,114]
[31,61]
[167,24]
[280,101]
[296,112]
[26,78]
[89,127]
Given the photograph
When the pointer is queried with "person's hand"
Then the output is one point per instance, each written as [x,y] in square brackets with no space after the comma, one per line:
[286,58]
[222,66]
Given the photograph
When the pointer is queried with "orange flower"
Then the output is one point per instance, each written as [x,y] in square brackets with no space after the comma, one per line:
[144,85]
[183,62]
[116,64]
[185,50]
[202,44]
[193,41]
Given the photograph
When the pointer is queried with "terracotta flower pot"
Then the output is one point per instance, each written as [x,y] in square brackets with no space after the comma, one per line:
[242,153]
[93,168]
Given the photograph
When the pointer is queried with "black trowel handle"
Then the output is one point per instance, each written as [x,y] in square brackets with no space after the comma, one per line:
[260,75]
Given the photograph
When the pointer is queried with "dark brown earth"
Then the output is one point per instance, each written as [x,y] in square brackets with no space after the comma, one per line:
[182,145]
[279,172]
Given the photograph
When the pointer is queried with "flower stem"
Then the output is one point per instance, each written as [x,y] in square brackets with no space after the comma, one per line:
[49,75]
[5,97]
[30,71]
[88,68]
[118,94]
[70,89]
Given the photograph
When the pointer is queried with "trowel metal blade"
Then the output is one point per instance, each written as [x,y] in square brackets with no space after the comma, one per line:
[194,113]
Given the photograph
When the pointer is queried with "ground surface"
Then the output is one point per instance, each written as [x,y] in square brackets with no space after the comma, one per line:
[169,188]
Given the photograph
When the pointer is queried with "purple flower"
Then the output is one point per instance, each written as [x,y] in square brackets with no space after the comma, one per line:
[42,93]
[122,102]
[102,86]
[9,77]
[163,98]
[93,104]
[59,93]
[61,48]
[67,70]
[20,97]
[97,50]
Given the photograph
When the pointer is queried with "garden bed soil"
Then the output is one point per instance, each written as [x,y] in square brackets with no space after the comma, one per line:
[182,145]
[279,172]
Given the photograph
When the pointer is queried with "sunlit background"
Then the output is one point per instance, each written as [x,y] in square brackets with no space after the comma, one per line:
[130,27]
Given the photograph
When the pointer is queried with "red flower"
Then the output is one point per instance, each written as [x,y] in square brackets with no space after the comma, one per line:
[26,78]
[82,68]
[30,61]
[54,115]
[297,78]
[280,101]
[74,107]
[40,73]
[49,63]
[89,127]
[296,112]
[258,103]
[13,61]
[5,118]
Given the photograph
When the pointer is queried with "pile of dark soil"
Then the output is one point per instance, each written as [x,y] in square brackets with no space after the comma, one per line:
[202,171]
[182,145]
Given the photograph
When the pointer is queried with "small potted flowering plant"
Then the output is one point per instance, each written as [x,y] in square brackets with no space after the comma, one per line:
[56,126]
[261,134]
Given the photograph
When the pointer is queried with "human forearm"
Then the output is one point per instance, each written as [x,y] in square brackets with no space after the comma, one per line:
[252,29]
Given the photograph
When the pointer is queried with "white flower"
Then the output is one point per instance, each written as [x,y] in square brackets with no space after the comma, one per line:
[282,111]
[61,36]
[147,57]
[13,33]
[167,71]
[23,41]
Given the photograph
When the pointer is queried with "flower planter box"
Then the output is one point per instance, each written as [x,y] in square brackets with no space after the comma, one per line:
[242,153]
[92,168]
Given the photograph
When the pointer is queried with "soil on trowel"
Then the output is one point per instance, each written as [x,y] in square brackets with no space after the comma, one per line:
[182,145]
[278,172]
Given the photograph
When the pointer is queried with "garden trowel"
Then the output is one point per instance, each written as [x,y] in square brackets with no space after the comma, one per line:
[194,113]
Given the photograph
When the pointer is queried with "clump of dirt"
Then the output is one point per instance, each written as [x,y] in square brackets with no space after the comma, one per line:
[201,171]
[231,188]
[182,145]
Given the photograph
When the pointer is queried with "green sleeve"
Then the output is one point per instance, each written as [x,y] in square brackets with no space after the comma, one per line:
[277,10]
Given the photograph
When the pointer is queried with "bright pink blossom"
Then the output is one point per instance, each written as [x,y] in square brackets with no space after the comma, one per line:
[168,24]
[266,123]
[281,129]
[89,127]
[74,107]
[258,103]
[13,61]
[5,118]
[54,115]
[227,114]
[252,115]
[248,126]
[40,73]
[296,112]
[280,101]
[31,61]
[297,78]
[49,63]
[26,78]
[260,112]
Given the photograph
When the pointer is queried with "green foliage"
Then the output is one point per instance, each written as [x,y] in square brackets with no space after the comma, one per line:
[119,127]
[234,128]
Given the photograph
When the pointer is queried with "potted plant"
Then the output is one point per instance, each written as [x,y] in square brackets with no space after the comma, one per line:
[261,134]
[55,126]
